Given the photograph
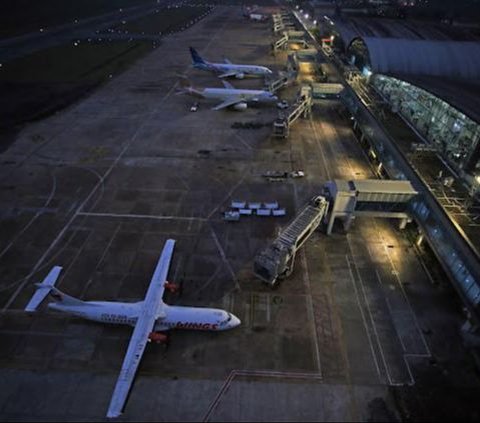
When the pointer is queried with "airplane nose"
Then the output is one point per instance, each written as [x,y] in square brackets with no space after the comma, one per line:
[235,322]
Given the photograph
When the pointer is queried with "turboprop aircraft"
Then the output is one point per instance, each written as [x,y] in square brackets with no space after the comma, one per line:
[150,318]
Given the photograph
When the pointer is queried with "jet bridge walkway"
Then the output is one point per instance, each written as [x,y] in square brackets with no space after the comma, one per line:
[290,37]
[302,107]
[282,21]
[277,260]
[285,79]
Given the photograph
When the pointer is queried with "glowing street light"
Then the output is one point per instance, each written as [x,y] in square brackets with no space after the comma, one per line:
[366,72]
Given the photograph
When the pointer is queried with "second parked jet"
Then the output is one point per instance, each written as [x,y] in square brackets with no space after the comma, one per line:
[229,96]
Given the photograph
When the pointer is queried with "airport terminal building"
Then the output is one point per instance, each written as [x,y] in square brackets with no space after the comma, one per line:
[414,99]
[427,73]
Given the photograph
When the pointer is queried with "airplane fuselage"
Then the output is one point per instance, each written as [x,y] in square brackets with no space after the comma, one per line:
[225,93]
[173,317]
[239,69]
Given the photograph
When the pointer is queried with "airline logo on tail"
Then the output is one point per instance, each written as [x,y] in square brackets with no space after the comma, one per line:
[196,57]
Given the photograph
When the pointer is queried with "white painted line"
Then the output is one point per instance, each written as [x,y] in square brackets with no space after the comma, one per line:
[374,326]
[247,321]
[83,204]
[317,139]
[306,279]
[269,315]
[224,258]
[379,280]
[210,279]
[141,216]
[228,195]
[254,373]
[62,232]
[424,266]
[397,276]
[243,141]
[65,272]
[24,229]
[364,320]
[412,380]
[105,251]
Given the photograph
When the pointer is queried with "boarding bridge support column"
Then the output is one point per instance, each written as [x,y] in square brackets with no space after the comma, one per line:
[347,222]
[419,240]
[403,223]
[347,219]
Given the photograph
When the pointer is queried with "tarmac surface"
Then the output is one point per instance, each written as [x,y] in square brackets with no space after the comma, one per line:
[100,186]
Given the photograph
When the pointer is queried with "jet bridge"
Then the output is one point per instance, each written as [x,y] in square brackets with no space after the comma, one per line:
[346,199]
[280,43]
[277,260]
[302,107]
[321,91]
[281,22]
[285,79]
[290,37]
[369,197]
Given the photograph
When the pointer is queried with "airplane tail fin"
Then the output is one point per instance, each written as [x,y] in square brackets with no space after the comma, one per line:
[196,57]
[186,87]
[48,287]
[184,82]
[43,289]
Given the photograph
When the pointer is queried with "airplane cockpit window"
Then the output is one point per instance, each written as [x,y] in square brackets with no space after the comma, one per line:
[229,317]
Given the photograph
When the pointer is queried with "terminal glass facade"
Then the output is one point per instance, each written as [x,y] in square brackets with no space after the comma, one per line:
[442,236]
[454,135]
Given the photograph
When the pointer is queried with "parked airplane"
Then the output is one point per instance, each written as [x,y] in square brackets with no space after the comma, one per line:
[228,68]
[251,12]
[230,96]
[257,17]
[249,9]
[149,317]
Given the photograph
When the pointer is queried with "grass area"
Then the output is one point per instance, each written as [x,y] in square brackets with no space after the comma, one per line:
[165,21]
[69,63]
[39,84]
[36,85]
[23,16]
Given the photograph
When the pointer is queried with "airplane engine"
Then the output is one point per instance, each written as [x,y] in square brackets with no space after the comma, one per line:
[240,75]
[158,337]
[240,106]
[172,287]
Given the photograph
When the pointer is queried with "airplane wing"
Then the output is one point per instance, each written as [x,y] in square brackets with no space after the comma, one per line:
[151,311]
[227,74]
[227,85]
[227,61]
[43,289]
[230,102]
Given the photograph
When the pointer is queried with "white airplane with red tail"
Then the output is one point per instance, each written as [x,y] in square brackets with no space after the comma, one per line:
[150,318]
